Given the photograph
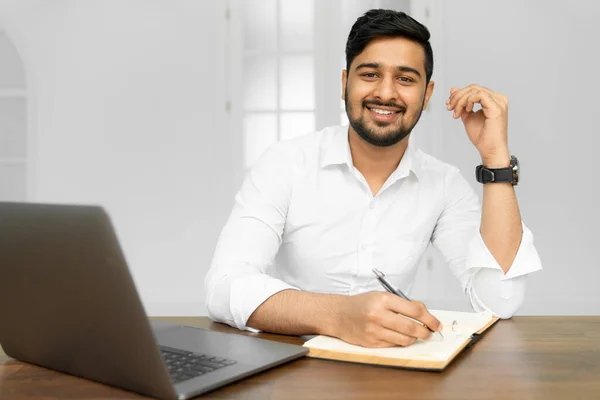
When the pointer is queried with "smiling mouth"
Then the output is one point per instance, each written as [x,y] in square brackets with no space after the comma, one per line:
[383,114]
[382,111]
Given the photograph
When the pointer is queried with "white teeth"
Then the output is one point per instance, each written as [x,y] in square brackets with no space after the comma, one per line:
[384,112]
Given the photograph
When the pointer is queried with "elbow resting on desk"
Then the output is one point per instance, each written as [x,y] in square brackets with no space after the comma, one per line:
[218,289]
[502,297]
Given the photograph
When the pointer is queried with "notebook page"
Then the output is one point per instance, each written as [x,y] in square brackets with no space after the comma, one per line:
[467,323]
[437,350]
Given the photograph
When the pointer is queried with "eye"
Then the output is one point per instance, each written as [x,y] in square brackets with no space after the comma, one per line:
[370,75]
[405,79]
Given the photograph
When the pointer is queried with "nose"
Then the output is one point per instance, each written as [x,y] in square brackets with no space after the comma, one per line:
[385,91]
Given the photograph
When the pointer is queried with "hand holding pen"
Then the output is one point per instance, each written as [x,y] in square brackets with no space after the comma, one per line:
[372,319]
[376,319]
[381,277]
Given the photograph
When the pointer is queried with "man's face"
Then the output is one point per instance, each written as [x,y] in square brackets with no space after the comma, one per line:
[385,90]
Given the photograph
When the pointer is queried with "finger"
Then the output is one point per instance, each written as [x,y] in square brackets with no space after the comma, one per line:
[497,97]
[413,328]
[469,104]
[488,102]
[460,102]
[483,97]
[490,107]
[457,96]
[395,338]
[454,93]
[416,310]
[485,90]
[401,324]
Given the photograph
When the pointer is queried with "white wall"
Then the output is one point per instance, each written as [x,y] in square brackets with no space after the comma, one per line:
[543,55]
[128,112]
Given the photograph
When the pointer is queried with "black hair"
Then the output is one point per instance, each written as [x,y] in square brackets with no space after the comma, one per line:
[387,23]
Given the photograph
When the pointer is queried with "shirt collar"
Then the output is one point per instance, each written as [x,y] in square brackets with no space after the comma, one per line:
[337,151]
[410,162]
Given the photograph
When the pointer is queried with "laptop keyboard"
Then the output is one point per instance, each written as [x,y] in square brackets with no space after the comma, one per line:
[184,365]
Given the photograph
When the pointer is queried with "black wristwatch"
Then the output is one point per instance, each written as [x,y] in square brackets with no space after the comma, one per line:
[511,174]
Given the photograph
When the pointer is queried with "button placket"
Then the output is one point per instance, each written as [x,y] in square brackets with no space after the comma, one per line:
[365,246]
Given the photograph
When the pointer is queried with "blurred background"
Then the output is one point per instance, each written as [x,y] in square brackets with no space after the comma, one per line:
[155,109]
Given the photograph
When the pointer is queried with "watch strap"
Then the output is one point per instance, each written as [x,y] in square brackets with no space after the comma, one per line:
[487,175]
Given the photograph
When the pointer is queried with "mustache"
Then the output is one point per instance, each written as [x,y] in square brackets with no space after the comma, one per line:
[399,107]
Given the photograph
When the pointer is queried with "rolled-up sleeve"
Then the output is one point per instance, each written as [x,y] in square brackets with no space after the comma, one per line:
[237,281]
[458,237]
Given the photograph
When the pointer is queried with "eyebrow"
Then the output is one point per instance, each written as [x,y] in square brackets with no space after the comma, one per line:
[401,68]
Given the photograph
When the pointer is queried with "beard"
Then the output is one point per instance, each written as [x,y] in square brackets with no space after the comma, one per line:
[381,137]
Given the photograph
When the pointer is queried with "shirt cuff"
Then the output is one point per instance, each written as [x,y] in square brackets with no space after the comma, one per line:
[526,261]
[249,292]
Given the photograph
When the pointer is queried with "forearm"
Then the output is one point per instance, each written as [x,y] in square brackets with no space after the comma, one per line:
[294,312]
[501,227]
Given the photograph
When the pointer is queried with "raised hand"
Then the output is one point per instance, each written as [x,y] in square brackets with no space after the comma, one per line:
[487,128]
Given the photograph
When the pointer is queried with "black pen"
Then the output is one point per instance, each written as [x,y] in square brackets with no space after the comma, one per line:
[381,278]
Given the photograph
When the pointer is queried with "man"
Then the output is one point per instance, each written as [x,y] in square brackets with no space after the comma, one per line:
[317,213]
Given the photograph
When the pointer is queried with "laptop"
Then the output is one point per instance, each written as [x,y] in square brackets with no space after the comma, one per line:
[69,303]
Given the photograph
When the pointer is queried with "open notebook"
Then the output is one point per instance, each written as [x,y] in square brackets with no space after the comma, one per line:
[431,354]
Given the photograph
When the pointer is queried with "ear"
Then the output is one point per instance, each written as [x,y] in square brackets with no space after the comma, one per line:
[344,82]
[428,93]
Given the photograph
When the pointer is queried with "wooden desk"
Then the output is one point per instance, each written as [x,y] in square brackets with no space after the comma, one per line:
[522,358]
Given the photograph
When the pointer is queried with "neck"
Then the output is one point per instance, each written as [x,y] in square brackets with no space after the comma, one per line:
[375,162]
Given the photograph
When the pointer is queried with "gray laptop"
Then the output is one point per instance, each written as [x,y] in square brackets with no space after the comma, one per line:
[68,302]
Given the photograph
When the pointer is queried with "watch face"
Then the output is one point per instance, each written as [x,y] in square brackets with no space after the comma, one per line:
[514,163]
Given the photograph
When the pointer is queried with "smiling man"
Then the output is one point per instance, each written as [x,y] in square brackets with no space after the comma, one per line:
[318,213]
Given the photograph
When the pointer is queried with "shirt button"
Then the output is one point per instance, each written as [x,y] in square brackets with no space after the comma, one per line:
[364,247]
[372,205]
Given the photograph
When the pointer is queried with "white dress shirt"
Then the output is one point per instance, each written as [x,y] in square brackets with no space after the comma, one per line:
[305,219]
